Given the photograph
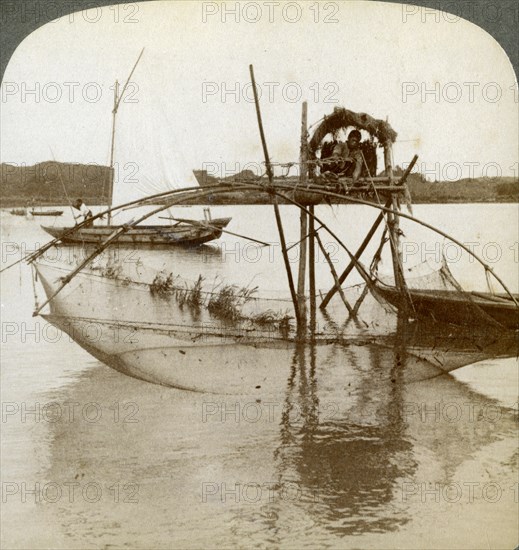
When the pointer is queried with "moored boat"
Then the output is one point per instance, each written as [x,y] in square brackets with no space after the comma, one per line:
[459,308]
[46,212]
[18,212]
[185,234]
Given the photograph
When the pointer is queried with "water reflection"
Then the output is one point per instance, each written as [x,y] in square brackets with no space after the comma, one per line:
[348,447]
[354,446]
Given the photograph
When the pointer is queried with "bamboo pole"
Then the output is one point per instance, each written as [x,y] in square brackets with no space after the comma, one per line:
[303,220]
[275,201]
[366,181]
[128,80]
[303,239]
[311,264]
[358,303]
[394,231]
[394,220]
[307,218]
[357,255]
[334,275]
[112,147]
[114,113]
[268,166]
[374,265]
[301,277]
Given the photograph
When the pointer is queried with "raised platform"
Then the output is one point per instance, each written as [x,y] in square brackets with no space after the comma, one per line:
[238,195]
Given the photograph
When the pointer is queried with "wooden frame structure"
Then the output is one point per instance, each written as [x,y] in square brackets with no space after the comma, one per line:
[341,118]
[306,193]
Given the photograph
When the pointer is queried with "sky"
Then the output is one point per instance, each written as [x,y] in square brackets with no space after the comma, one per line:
[444,84]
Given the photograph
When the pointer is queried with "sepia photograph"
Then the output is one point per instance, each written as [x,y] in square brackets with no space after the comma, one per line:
[259,275]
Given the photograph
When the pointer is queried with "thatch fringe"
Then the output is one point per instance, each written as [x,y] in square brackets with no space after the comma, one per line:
[342,118]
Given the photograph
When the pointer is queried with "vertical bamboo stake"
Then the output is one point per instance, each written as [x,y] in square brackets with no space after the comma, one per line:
[275,201]
[394,226]
[311,264]
[303,223]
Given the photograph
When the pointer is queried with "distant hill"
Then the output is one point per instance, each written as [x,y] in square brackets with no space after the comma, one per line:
[53,183]
[502,189]
[465,190]
[57,183]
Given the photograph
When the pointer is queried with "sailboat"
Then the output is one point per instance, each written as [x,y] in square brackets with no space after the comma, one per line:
[183,232]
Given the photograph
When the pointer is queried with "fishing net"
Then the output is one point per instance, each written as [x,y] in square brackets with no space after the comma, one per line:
[425,275]
[448,332]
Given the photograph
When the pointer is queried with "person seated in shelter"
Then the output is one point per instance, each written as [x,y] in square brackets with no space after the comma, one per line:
[349,156]
[84,213]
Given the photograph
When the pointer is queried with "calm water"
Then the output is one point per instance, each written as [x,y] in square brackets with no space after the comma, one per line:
[349,453]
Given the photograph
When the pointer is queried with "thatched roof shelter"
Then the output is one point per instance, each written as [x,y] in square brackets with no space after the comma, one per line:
[343,118]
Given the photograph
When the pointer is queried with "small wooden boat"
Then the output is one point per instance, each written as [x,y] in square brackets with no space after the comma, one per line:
[181,234]
[458,308]
[18,212]
[47,212]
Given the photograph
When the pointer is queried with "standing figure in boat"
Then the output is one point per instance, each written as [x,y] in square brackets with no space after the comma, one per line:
[84,213]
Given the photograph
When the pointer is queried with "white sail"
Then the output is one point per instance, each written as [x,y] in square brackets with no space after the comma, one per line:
[147,157]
